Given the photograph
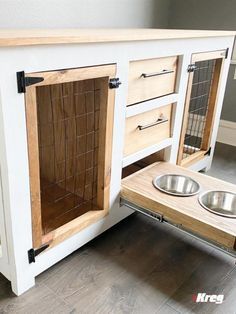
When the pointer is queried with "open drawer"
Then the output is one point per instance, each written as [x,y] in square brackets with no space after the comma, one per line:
[183,212]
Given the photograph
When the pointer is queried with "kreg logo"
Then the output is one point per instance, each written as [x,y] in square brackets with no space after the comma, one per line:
[212,298]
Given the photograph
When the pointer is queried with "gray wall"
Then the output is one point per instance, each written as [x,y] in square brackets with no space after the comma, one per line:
[203,14]
[209,14]
[229,106]
[83,13]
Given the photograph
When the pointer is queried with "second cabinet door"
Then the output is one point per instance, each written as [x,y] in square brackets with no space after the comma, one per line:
[200,106]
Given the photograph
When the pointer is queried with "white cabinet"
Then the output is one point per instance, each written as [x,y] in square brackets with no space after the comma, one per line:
[63,79]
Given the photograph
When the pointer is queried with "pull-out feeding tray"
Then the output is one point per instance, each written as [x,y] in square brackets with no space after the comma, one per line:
[184,212]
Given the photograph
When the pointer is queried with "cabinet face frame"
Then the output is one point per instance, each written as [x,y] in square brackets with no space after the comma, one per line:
[219,57]
[3,239]
[107,99]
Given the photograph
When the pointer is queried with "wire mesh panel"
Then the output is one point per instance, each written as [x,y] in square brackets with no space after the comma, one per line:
[68,128]
[198,106]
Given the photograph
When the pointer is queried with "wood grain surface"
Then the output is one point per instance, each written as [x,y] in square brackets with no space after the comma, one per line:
[69,126]
[185,211]
[136,139]
[27,37]
[141,88]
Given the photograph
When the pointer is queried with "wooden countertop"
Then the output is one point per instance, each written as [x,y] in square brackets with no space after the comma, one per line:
[28,37]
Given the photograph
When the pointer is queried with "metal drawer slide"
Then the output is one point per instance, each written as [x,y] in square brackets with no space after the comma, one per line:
[161,219]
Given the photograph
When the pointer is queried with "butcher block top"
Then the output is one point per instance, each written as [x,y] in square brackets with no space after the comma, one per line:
[28,37]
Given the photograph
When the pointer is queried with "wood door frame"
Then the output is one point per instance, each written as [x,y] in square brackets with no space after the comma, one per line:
[219,55]
[105,148]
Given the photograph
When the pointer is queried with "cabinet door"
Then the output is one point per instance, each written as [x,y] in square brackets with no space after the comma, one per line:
[200,106]
[69,117]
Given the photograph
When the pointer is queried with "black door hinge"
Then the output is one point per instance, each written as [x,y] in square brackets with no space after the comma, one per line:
[191,68]
[114,83]
[24,81]
[32,253]
[208,152]
[226,53]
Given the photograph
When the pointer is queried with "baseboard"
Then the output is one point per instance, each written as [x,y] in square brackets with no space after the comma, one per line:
[227,132]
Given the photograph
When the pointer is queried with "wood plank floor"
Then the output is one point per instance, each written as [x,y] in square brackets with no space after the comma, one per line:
[138,266]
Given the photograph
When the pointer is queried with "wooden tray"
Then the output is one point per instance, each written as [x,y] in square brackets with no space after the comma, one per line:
[183,211]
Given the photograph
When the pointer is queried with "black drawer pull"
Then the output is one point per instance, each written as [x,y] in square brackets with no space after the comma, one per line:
[159,121]
[146,75]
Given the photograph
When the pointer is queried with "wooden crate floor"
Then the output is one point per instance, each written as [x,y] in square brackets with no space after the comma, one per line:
[60,206]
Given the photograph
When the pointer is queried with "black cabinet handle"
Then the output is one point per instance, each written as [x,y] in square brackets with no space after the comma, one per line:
[146,75]
[158,121]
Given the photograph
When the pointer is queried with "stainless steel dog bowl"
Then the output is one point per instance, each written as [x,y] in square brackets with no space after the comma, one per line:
[221,203]
[177,185]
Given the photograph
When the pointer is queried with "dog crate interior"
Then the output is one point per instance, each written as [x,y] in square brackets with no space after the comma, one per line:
[198,110]
[142,163]
[68,137]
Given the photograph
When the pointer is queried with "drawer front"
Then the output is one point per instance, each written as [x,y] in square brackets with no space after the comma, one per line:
[151,78]
[146,129]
